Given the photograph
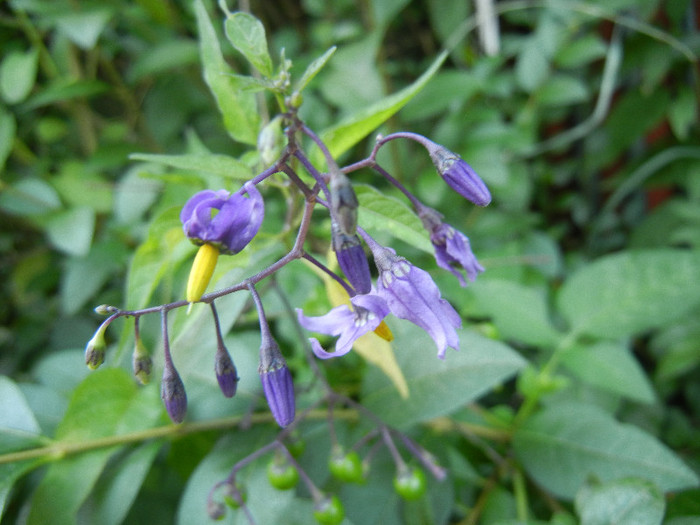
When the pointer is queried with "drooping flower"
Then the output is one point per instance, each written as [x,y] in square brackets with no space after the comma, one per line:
[352,260]
[277,382]
[349,322]
[172,392]
[219,223]
[226,372]
[233,227]
[412,294]
[460,176]
[452,248]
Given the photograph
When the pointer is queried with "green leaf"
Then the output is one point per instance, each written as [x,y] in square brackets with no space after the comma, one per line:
[15,413]
[247,35]
[313,69]
[350,131]
[437,387]
[17,75]
[8,129]
[581,51]
[532,65]
[222,165]
[84,28]
[519,312]
[626,293]
[238,108]
[106,403]
[565,444]
[119,486]
[610,366]
[562,90]
[71,231]
[681,113]
[621,502]
[383,213]
[65,89]
[10,473]
[29,196]
[164,56]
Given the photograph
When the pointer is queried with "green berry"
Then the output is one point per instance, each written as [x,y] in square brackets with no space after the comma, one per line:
[329,511]
[346,467]
[235,496]
[410,484]
[282,476]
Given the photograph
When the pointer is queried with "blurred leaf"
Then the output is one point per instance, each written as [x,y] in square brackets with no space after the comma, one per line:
[350,131]
[71,231]
[84,27]
[29,196]
[610,366]
[247,34]
[163,56]
[626,293]
[62,90]
[15,413]
[106,403]
[10,473]
[79,186]
[438,387]
[238,108]
[621,502]
[519,312]
[134,195]
[313,69]
[682,112]
[564,444]
[383,213]
[17,75]
[118,488]
[582,50]
[222,165]
[8,128]
[562,90]
[532,65]
[384,11]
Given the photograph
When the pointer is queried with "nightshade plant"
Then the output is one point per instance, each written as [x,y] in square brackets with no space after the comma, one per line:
[223,222]
[311,333]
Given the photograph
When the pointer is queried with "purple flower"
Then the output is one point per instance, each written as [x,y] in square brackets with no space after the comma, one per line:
[452,249]
[459,175]
[277,383]
[366,315]
[232,227]
[352,260]
[413,295]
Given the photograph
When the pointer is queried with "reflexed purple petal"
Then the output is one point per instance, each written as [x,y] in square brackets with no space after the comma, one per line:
[331,323]
[453,252]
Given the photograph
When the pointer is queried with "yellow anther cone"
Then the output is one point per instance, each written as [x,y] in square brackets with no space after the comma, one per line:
[384,332]
[201,272]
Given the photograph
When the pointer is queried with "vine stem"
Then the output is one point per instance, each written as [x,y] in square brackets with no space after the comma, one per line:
[60,449]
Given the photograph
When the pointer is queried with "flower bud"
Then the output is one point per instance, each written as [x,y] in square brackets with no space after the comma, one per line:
[172,392]
[277,383]
[459,175]
[352,260]
[95,348]
[226,373]
[343,202]
[270,142]
[142,363]
[106,309]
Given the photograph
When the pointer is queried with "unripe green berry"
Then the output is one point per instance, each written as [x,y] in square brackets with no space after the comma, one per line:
[329,511]
[410,484]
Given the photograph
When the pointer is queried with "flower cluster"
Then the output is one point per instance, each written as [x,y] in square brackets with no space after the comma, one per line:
[224,223]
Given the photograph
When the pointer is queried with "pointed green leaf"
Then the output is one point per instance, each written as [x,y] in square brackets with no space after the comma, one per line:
[565,444]
[17,75]
[350,131]
[247,35]
[8,128]
[626,293]
[71,231]
[438,387]
[237,107]
[313,69]
[222,165]
[380,212]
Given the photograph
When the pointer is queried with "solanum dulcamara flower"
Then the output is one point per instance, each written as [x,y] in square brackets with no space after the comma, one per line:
[219,222]
[363,315]
[459,175]
[453,251]
[412,294]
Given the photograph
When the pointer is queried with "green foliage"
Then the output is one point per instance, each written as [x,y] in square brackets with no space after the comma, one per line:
[573,397]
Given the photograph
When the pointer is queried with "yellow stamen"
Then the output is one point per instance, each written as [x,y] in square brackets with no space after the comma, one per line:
[384,332]
[201,272]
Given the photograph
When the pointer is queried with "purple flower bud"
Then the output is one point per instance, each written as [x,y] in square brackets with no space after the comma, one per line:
[352,260]
[172,392]
[226,373]
[277,383]
[459,175]
[365,316]
[452,248]
[233,227]
[413,295]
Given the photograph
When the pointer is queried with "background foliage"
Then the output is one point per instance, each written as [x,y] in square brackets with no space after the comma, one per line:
[575,395]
